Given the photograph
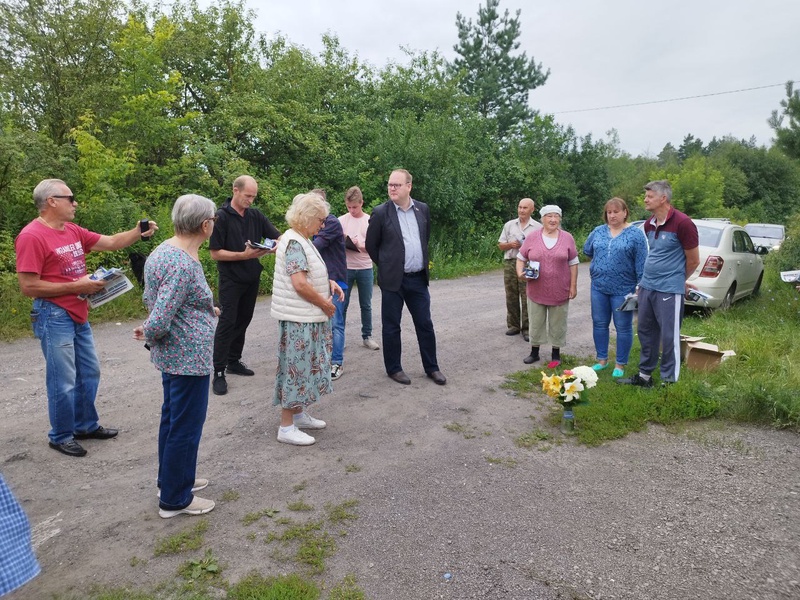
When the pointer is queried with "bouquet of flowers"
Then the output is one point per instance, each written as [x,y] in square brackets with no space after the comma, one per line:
[567,387]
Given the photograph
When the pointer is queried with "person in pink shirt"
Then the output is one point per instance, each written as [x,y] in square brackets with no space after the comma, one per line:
[359,264]
[548,261]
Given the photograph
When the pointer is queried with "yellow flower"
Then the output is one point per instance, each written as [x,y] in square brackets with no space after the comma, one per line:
[551,385]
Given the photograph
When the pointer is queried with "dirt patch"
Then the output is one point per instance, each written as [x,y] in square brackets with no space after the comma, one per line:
[705,511]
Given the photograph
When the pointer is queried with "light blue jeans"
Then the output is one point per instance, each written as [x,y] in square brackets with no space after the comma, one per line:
[362,278]
[72,370]
[604,309]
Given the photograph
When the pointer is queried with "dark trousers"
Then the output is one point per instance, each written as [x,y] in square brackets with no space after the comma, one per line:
[182,417]
[415,295]
[237,302]
[659,328]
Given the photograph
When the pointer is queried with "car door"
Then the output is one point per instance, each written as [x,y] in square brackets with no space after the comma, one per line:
[746,269]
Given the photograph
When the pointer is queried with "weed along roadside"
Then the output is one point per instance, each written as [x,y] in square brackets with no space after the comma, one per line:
[676,494]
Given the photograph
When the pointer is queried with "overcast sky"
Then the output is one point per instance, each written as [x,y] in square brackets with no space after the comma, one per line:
[599,54]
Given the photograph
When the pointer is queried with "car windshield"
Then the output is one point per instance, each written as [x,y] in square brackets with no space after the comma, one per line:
[765,231]
[709,236]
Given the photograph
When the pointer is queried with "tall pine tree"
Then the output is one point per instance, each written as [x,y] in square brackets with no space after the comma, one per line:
[490,72]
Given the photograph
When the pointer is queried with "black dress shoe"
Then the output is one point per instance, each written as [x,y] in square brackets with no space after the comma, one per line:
[438,377]
[526,337]
[512,331]
[239,368]
[101,433]
[400,377]
[70,448]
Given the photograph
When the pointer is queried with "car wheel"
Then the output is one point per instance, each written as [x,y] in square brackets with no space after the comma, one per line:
[727,301]
[757,287]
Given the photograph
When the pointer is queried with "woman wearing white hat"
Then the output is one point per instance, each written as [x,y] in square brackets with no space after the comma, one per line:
[548,261]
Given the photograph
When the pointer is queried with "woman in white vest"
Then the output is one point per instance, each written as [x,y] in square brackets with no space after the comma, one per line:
[301,301]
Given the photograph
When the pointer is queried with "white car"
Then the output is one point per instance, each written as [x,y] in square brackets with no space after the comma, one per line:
[766,234]
[731,267]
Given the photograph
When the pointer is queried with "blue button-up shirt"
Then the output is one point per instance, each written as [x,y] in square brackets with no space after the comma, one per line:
[411,240]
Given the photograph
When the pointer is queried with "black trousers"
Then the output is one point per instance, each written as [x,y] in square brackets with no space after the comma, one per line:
[237,302]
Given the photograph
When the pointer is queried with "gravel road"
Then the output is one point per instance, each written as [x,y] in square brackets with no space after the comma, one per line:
[706,510]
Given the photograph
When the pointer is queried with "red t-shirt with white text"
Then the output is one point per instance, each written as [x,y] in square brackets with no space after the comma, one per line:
[57,256]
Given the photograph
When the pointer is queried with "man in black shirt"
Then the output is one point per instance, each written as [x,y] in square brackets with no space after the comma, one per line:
[239,274]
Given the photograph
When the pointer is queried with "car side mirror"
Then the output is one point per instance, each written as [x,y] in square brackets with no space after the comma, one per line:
[762,250]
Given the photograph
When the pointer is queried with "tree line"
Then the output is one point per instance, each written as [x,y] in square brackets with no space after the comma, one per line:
[133,105]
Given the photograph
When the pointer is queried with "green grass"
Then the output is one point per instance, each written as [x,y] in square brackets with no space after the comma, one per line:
[347,590]
[252,517]
[288,587]
[759,385]
[201,569]
[341,512]
[299,506]
[189,539]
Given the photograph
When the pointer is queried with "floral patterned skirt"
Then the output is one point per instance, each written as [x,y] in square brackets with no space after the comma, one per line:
[304,363]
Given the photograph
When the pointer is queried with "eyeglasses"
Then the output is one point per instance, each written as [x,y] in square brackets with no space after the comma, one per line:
[212,219]
[70,198]
[321,221]
[394,186]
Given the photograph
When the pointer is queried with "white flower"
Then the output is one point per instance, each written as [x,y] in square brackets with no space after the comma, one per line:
[587,375]
[572,390]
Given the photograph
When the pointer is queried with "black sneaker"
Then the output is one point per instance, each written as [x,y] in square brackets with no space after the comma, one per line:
[239,368]
[636,380]
[220,386]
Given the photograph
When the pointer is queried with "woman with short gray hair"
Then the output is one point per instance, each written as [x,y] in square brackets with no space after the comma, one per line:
[179,333]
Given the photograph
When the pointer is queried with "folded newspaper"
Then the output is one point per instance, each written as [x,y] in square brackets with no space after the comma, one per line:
[116,284]
[790,276]
[631,302]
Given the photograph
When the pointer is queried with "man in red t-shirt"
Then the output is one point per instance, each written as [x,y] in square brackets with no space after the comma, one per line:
[51,269]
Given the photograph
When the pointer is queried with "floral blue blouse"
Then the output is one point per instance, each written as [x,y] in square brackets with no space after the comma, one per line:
[181,325]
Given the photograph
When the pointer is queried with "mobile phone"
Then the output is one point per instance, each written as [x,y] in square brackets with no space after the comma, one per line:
[144,227]
[267,244]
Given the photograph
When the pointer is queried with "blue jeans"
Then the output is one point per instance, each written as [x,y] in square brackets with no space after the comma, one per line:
[337,325]
[604,308]
[182,417]
[72,371]
[362,278]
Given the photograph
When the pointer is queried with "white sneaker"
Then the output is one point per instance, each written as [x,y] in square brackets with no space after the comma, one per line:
[336,372]
[199,484]
[199,506]
[306,421]
[371,344]
[295,437]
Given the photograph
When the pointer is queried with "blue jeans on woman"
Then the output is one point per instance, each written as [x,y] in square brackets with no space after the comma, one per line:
[72,371]
[362,278]
[182,417]
[604,308]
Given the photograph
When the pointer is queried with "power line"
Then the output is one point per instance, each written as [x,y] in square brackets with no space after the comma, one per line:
[763,87]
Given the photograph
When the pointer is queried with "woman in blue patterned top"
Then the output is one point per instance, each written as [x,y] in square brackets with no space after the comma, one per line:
[180,334]
[618,252]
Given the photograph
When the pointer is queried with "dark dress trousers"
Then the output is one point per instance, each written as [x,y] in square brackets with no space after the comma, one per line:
[386,249]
